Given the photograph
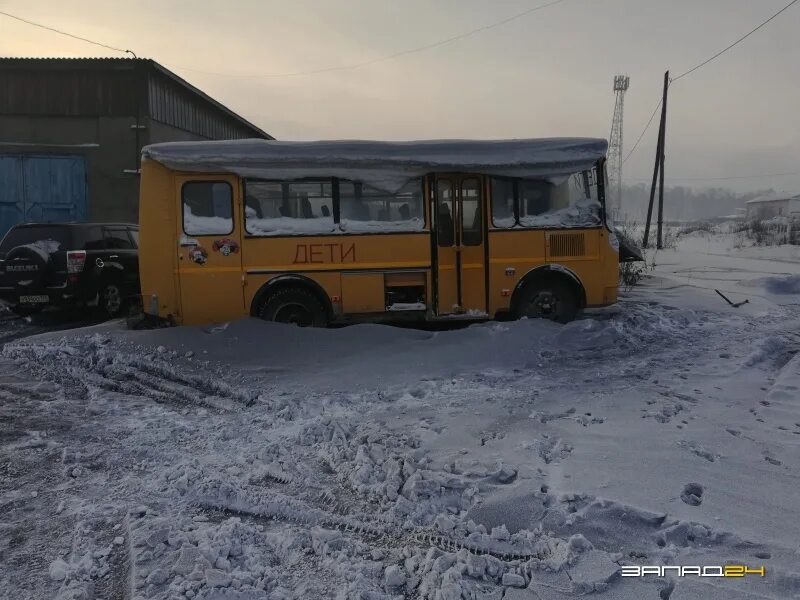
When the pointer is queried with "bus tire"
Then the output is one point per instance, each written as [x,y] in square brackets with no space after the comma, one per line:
[295,305]
[549,298]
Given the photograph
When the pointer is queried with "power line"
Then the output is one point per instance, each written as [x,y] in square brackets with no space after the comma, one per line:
[75,37]
[755,176]
[641,135]
[357,65]
[373,61]
[737,42]
[704,63]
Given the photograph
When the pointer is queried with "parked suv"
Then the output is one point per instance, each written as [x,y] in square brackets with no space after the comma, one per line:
[69,264]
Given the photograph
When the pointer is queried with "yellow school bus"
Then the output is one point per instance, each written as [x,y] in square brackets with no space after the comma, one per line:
[314,233]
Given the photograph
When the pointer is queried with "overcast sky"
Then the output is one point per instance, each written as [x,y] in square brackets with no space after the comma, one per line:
[546,74]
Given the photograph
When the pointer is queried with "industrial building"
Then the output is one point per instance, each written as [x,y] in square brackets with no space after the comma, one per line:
[72,130]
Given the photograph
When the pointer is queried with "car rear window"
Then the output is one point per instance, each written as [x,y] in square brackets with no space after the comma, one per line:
[118,239]
[19,236]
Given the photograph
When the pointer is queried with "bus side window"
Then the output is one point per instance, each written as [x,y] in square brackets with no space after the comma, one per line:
[535,198]
[288,208]
[503,213]
[207,208]
[363,208]
[471,214]
[444,216]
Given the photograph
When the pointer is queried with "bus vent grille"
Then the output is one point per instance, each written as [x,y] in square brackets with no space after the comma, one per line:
[567,244]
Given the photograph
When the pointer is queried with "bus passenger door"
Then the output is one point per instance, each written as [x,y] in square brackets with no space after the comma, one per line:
[209,249]
[461,258]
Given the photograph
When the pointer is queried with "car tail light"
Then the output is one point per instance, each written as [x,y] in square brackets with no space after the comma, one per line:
[75,261]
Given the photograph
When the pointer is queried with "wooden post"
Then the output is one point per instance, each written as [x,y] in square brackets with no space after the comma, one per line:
[658,165]
[659,239]
[652,195]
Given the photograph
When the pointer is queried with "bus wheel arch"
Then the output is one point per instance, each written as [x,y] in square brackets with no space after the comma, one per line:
[557,292]
[294,290]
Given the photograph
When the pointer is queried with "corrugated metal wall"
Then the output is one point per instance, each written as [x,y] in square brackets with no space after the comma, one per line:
[114,88]
[67,93]
[172,104]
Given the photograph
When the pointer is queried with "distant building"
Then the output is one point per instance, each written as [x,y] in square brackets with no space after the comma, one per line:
[773,205]
[72,130]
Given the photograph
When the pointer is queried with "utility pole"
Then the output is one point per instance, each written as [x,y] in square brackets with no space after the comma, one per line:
[659,239]
[658,173]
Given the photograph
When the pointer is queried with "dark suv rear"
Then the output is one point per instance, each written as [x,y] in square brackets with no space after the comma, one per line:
[68,264]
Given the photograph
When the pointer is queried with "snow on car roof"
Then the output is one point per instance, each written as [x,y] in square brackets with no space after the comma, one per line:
[386,165]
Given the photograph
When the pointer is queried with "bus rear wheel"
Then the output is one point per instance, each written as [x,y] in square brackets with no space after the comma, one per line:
[549,299]
[296,306]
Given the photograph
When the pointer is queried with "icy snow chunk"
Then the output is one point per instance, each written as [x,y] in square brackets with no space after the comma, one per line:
[450,591]
[476,566]
[444,523]
[577,543]
[593,571]
[58,570]
[505,475]
[443,563]
[217,578]
[692,494]
[189,558]
[158,537]
[500,533]
[513,580]
[119,540]
[378,554]
[394,577]
[157,577]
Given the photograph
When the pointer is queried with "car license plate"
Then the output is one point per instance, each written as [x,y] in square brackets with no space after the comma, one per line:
[34,299]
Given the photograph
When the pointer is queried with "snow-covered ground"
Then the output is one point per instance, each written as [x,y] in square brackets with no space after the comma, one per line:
[525,461]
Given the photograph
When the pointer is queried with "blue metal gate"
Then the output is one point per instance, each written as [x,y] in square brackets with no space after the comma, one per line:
[41,189]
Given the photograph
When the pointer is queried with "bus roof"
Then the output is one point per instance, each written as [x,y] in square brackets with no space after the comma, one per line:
[385,165]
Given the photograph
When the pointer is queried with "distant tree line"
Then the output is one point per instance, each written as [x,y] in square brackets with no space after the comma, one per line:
[684,203]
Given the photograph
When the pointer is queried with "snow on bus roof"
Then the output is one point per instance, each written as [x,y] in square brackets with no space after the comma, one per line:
[386,165]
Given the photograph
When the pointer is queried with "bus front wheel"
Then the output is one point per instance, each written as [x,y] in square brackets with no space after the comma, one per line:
[549,299]
[296,306]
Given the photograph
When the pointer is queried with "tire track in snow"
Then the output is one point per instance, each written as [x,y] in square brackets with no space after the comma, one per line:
[88,365]
[244,502]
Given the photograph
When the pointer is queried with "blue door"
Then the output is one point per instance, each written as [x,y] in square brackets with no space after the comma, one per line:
[41,189]
[12,204]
